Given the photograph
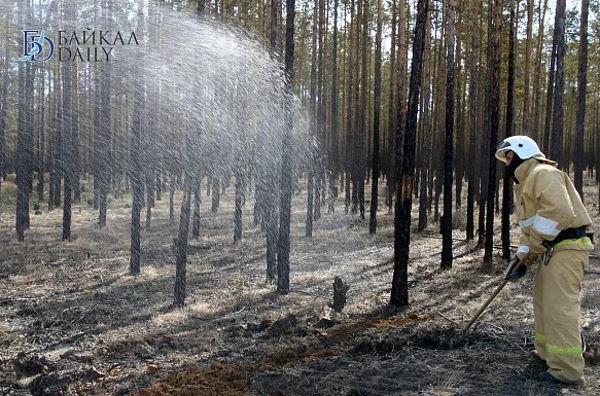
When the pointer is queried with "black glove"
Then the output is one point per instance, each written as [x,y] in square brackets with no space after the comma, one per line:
[515,271]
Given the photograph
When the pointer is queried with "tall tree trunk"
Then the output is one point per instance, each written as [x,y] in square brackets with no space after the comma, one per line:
[399,292]
[376,113]
[473,132]
[24,142]
[3,108]
[67,149]
[172,182]
[495,48]
[197,199]
[557,107]
[507,182]
[216,193]
[333,152]
[578,153]
[526,89]
[535,114]
[391,129]
[137,172]
[237,232]
[550,91]
[283,252]
[182,239]
[310,185]
[446,224]
[426,135]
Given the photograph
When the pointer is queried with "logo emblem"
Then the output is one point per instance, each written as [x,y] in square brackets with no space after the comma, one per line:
[34,43]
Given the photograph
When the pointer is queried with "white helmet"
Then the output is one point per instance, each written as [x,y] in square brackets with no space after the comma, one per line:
[524,146]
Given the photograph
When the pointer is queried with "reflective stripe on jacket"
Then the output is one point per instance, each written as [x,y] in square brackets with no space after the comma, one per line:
[547,203]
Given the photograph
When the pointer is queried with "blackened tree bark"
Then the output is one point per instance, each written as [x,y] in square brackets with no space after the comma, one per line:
[446,223]
[310,183]
[474,122]
[283,245]
[510,106]
[550,91]
[67,149]
[56,169]
[391,129]
[333,151]
[172,185]
[182,238]
[426,135]
[557,106]
[103,136]
[216,192]
[239,187]
[3,93]
[537,92]
[137,172]
[376,114]
[320,130]
[24,142]
[75,160]
[399,292]
[578,154]
[362,131]
[526,107]
[197,199]
[494,46]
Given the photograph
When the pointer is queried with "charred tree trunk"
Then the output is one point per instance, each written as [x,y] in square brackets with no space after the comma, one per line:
[578,153]
[283,245]
[507,182]
[557,107]
[399,292]
[137,172]
[446,223]
[182,241]
[526,107]
[67,149]
[550,91]
[333,151]
[3,108]
[172,182]
[391,129]
[495,47]
[197,200]
[239,187]
[310,184]
[376,114]
[216,193]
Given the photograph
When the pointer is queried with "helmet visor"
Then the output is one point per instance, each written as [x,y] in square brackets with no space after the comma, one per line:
[501,150]
[503,144]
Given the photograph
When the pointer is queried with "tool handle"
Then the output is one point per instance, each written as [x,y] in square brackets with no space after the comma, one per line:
[485,305]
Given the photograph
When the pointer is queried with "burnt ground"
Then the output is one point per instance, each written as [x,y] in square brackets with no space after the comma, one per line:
[72,321]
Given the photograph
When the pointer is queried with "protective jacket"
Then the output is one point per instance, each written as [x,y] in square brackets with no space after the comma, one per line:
[549,208]
[547,203]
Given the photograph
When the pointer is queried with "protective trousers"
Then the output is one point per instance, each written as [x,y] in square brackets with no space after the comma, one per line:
[557,305]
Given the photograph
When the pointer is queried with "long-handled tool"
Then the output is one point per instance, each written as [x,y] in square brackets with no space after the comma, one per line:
[507,277]
[485,305]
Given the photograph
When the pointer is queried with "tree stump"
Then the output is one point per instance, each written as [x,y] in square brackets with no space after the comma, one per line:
[339,294]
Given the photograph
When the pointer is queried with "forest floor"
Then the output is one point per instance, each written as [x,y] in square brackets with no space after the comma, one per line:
[72,321]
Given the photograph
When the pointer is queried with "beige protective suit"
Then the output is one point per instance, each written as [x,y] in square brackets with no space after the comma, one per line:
[547,203]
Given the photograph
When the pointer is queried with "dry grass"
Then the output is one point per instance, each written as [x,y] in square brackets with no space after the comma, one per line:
[77,296]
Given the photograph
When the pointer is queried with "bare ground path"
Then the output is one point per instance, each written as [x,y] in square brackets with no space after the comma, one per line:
[73,321]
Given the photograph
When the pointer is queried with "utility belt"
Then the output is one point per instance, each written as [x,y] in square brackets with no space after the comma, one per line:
[569,233]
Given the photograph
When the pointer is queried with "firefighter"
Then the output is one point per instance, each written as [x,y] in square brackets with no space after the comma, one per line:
[555,231]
